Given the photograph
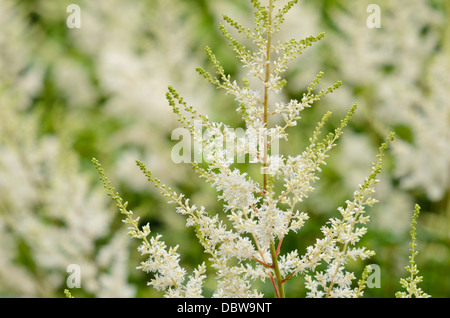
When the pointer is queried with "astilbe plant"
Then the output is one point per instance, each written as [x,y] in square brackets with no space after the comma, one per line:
[247,247]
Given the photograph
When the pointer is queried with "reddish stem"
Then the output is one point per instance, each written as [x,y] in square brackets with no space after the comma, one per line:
[262,263]
[279,246]
[274,285]
[288,277]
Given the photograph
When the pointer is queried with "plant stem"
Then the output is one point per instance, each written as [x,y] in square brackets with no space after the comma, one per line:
[273,252]
[266,92]
[276,269]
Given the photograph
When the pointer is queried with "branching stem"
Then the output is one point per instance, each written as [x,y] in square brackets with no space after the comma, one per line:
[273,252]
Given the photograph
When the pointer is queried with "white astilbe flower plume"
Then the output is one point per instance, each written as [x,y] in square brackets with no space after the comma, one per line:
[243,242]
[340,237]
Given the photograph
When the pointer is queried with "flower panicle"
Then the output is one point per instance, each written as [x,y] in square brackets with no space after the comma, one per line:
[340,237]
[164,262]
[249,246]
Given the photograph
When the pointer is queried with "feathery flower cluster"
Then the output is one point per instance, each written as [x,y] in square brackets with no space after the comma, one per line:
[247,247]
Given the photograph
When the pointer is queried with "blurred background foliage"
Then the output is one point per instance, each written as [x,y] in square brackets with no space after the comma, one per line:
[67,95]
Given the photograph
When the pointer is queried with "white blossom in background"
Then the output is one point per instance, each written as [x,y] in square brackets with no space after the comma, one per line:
[14,280]
[52,215]
[430,123]
[401,73]
[16,64]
